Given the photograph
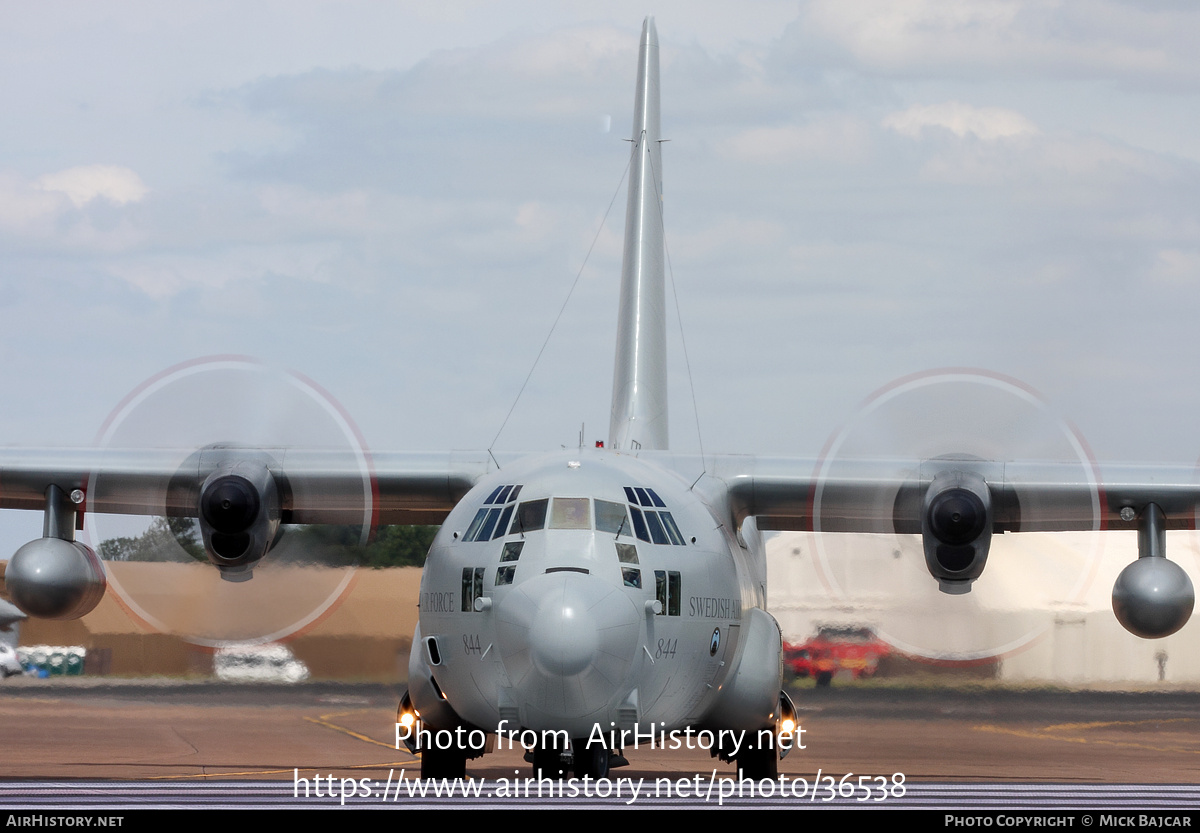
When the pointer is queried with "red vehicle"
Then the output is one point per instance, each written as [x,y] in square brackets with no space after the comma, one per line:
[834,649]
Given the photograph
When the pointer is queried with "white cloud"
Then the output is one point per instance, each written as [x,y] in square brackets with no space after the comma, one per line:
[1176,268]
[1103,38]
[85,183]
[234,268]
[727,237]
[44,211]
[987,123]
[840,140]
[22,206]
[537,220]
[899,30]
[578,50]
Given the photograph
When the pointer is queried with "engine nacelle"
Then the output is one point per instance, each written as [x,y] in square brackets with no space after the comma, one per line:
[239,512]
[956,529]
[51,578]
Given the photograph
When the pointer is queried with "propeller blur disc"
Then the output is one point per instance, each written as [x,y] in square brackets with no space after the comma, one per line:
[228,401]
[880,577]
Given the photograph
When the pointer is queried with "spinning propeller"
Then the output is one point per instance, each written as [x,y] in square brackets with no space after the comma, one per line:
[955,439]
[233,425]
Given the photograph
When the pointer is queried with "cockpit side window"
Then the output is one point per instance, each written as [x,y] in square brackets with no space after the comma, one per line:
[472,587]
[489,524]
[639,524]
[657,534]
[491,521]
[477,522]
[508,568]
[668,589]
[653,523]
[503,525]
[672,530]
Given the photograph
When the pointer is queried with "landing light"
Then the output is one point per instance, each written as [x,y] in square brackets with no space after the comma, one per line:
[407,724]
[788,733]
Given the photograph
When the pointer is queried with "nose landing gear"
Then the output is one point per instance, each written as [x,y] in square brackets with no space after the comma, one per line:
[591,761]
[594,762]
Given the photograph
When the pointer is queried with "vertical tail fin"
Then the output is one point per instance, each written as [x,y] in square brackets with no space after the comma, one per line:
[639,403]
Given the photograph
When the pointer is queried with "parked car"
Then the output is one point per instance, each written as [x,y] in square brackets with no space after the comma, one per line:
[9,664]
[258,664]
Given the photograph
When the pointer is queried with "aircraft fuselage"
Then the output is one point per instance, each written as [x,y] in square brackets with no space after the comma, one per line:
[582,589]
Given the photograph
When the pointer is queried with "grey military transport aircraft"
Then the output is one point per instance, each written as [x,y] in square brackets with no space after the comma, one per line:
[580,599]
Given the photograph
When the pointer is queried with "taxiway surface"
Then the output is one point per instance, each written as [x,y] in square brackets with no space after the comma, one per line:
[68,729]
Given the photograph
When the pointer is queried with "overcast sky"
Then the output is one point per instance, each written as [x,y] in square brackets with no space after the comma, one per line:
[393,200]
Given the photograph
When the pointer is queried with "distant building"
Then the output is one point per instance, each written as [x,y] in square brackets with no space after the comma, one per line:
[1043,606]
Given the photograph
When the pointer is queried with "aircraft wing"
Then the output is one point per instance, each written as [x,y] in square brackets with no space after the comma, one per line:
[316,486]
[240,497]
[956,504]
[887,494]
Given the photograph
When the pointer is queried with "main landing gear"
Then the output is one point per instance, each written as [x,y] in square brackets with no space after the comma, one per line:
[443,763]
[758,764]
[547,761]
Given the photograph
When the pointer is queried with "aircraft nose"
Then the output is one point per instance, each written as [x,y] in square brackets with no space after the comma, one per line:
[567,640]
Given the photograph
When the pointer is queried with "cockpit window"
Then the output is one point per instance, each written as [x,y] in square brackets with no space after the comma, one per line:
[503,525]
[643,496]
[668,590]
[672,530]
[477,522]
[639,524]
[472,587]
[571,513]
[508,567]
[489,524]
[657,534]
[531,515]
[611,517]
[650,524]
[491,521]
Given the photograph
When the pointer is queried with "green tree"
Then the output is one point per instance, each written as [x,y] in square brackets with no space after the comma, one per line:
[391,546]
[178,539]
[167,539]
